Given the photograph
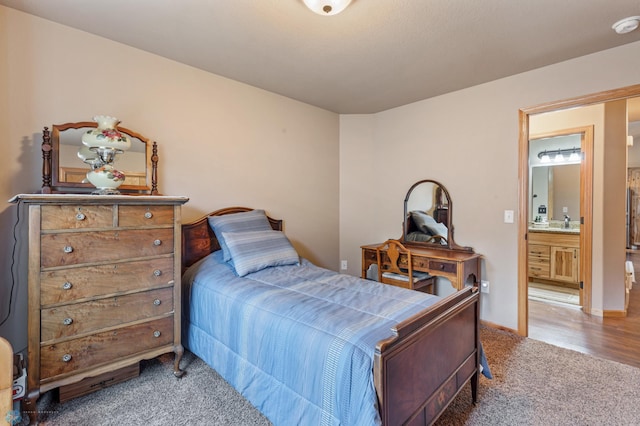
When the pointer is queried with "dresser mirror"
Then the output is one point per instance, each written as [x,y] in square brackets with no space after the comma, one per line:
[428,217]
[64,171]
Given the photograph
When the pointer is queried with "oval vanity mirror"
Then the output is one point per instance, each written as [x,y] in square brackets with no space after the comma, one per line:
[428,217]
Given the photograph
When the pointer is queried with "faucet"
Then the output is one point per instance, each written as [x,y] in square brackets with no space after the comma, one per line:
[566,221]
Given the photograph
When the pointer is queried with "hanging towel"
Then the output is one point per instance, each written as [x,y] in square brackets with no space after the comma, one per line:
[629,273]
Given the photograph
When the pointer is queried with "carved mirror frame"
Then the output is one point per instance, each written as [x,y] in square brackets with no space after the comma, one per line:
[51,179]
[442,212]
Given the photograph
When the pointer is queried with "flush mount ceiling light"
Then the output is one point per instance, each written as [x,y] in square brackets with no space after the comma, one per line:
[327,7]
[626,25]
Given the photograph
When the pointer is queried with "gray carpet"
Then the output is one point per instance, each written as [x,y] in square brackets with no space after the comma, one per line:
[534,384]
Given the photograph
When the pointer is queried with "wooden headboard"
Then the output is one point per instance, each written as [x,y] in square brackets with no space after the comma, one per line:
[198,239]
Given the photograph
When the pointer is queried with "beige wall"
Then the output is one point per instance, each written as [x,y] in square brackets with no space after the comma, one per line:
[467,140]
[221,143]
[339,182]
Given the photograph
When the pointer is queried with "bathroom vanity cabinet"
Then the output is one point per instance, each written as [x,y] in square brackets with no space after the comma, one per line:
[554,256]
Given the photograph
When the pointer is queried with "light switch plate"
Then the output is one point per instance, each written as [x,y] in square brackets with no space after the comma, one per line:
[508,216]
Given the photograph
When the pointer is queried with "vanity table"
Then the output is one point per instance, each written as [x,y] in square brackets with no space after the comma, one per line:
[428,233]
[459,267]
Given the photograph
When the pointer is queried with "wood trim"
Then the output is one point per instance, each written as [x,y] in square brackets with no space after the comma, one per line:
[614,314]
[585,100]
[586,228]
[523,219]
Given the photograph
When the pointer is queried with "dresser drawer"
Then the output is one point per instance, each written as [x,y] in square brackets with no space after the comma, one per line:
[69,284]
[444,266]
[102,348]
[76,216]
[73,248]
[86,317]
[145,215]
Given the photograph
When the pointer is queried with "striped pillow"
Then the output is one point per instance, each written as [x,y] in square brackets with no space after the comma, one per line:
[254,220]
[256,250]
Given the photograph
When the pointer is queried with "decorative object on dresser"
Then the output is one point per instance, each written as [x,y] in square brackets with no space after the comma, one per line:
[101,145]
[67,146]
[428,234]
[104,287]
[310,323]
[397,268]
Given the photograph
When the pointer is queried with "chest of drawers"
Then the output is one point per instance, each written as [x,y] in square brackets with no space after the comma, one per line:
[104,285]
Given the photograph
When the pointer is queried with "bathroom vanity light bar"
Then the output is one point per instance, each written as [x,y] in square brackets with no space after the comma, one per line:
[558,155]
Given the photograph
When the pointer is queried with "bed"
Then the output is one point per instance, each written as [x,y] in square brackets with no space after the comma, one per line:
[370,353]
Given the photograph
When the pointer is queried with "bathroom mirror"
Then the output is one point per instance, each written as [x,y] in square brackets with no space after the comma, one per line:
[428,213]
[64,171]
[554,183]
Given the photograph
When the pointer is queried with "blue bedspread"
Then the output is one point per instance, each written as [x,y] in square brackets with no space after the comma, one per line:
[296,341]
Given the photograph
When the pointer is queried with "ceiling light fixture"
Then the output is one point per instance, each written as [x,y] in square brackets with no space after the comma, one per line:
[626,25]
[327,7]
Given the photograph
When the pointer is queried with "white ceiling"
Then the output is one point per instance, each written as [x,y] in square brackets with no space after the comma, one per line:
[376,55]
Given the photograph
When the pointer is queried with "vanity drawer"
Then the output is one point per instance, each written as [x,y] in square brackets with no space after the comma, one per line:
[369,255]
[102,348]
[69,284]
[145,215]
[539,270]
[73,248]
[537,250]
[86,317]
[444,266]
[76,216]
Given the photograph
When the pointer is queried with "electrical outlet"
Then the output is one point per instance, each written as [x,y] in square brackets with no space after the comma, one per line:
[484,286]
[343,265]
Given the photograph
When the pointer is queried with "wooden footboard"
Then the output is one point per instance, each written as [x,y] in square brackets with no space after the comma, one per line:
[434,354]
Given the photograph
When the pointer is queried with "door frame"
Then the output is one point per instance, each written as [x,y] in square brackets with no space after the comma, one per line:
[523,188]
[586,206]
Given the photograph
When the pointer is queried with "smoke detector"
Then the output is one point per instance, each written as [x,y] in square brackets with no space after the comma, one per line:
[626,25]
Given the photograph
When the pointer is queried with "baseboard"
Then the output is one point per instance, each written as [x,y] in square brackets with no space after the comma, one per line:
[497,326]
[614,314]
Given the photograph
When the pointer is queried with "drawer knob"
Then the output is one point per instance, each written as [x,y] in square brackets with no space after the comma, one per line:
[157,272]
[80,216]
[67,286]
[156,333]
[67,321]
[442,267]
[66,357]
[157,302]
[68,249]
[157,242]
[148,215]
